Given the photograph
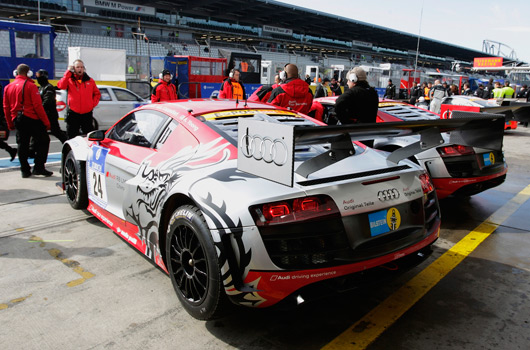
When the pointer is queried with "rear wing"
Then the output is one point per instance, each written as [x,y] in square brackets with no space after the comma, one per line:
[266,149]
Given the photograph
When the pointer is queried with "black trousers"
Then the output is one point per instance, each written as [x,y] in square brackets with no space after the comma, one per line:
[76,121]
[27,129]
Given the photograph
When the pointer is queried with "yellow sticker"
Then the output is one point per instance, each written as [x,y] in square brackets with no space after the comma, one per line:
[238,112]
[492,158]
[393,219]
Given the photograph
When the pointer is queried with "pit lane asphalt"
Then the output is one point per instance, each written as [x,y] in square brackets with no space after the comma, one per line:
[66,281]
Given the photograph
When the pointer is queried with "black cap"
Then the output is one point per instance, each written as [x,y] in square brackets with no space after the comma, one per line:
[166,72]
[43,72]
[326,80]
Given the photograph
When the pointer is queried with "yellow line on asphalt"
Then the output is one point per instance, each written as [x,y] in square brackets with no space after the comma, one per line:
[373,324]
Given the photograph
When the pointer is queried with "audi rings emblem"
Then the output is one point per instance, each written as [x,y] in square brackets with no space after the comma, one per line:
[387,195]
[264,148]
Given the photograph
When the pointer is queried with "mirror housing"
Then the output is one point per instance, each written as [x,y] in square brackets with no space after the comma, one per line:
[97,135]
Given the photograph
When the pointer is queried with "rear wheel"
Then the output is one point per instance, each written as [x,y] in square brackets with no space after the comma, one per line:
[193,266]
[74,179]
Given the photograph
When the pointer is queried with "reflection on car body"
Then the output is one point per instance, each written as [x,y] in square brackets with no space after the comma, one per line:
[168,179]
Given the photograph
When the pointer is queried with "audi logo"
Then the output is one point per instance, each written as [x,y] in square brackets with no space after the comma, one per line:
[387,195]
[264,148]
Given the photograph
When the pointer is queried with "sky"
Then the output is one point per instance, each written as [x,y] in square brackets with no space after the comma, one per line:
[464,23]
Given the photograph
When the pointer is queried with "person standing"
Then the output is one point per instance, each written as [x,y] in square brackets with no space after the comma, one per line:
[232,87]
[308,79]
[47,93]
[4,131]
[322,89]
[509,92]
[390,91]
[293,93]
[498,92]
[24,112]
[335,87]
[436,95]
[83,96]
[417,92]
[426,91]
[488,90]
[359,103]
[523,93]
[467,90]
[164,90]
[480,91]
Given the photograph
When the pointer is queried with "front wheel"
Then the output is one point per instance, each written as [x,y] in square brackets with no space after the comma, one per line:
[193,266]
[74,179]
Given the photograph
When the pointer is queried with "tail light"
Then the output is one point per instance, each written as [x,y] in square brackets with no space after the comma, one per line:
[455,150]
[426,184]
[298,209]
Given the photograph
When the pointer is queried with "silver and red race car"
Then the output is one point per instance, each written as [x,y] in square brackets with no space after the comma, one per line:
[252,203]
[455,169]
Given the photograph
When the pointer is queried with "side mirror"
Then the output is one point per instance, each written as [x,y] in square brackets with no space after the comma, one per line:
[97,135]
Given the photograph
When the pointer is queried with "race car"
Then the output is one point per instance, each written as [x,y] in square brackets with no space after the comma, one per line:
[511,109]
[455,169]
[254,204]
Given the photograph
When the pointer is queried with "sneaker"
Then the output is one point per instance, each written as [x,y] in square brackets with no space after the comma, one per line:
[12,153]
[42,172]
[26,174]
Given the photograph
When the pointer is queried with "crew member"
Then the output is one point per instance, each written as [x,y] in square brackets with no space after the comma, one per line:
[498,92]
[83,96]
[23,110]
[467,90]
[164,90]
[293,93]
[232,87]
[436,94]
[47,93]
[390,91]
[508,90]
[322,89]
[335,87]
[264,92]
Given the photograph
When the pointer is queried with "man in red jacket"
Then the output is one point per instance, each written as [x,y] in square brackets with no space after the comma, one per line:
[83,96]
[164,90]
[294,93]
[23,110]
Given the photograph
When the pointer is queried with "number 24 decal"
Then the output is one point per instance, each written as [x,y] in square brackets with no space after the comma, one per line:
[97,189]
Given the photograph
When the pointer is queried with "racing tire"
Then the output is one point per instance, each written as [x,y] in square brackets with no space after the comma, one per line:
[193,265]
[74,179]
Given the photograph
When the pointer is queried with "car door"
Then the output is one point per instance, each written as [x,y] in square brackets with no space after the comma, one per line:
[106,113]
[117,158]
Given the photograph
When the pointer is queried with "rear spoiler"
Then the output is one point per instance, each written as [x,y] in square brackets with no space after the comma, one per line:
[266,149]
[512,110]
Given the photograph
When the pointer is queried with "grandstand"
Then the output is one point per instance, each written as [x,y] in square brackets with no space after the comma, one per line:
[200,28]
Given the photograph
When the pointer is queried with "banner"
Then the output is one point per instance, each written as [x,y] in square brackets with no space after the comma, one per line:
[120,6]
[487,62]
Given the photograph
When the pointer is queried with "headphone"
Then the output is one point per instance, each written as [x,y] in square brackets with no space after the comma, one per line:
[282,75]
[352,77]
[161,76]
[231,74]
[30,73]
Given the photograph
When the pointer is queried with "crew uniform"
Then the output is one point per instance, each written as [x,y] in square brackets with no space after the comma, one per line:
[232,88]
[83,96]
[164,91]
[32,125]
[294,94]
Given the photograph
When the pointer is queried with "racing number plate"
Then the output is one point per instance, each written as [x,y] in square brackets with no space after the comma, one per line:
[489,158]
[384,221]
[97,189]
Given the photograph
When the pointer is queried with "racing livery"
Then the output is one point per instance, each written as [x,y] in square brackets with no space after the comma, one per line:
[254,204]
[454,169]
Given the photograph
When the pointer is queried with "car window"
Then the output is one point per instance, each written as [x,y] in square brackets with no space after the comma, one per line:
[124,95]
[447,101]
[139,128]
[105,96]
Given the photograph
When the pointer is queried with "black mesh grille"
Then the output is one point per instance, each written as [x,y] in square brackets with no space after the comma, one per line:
[353,176]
